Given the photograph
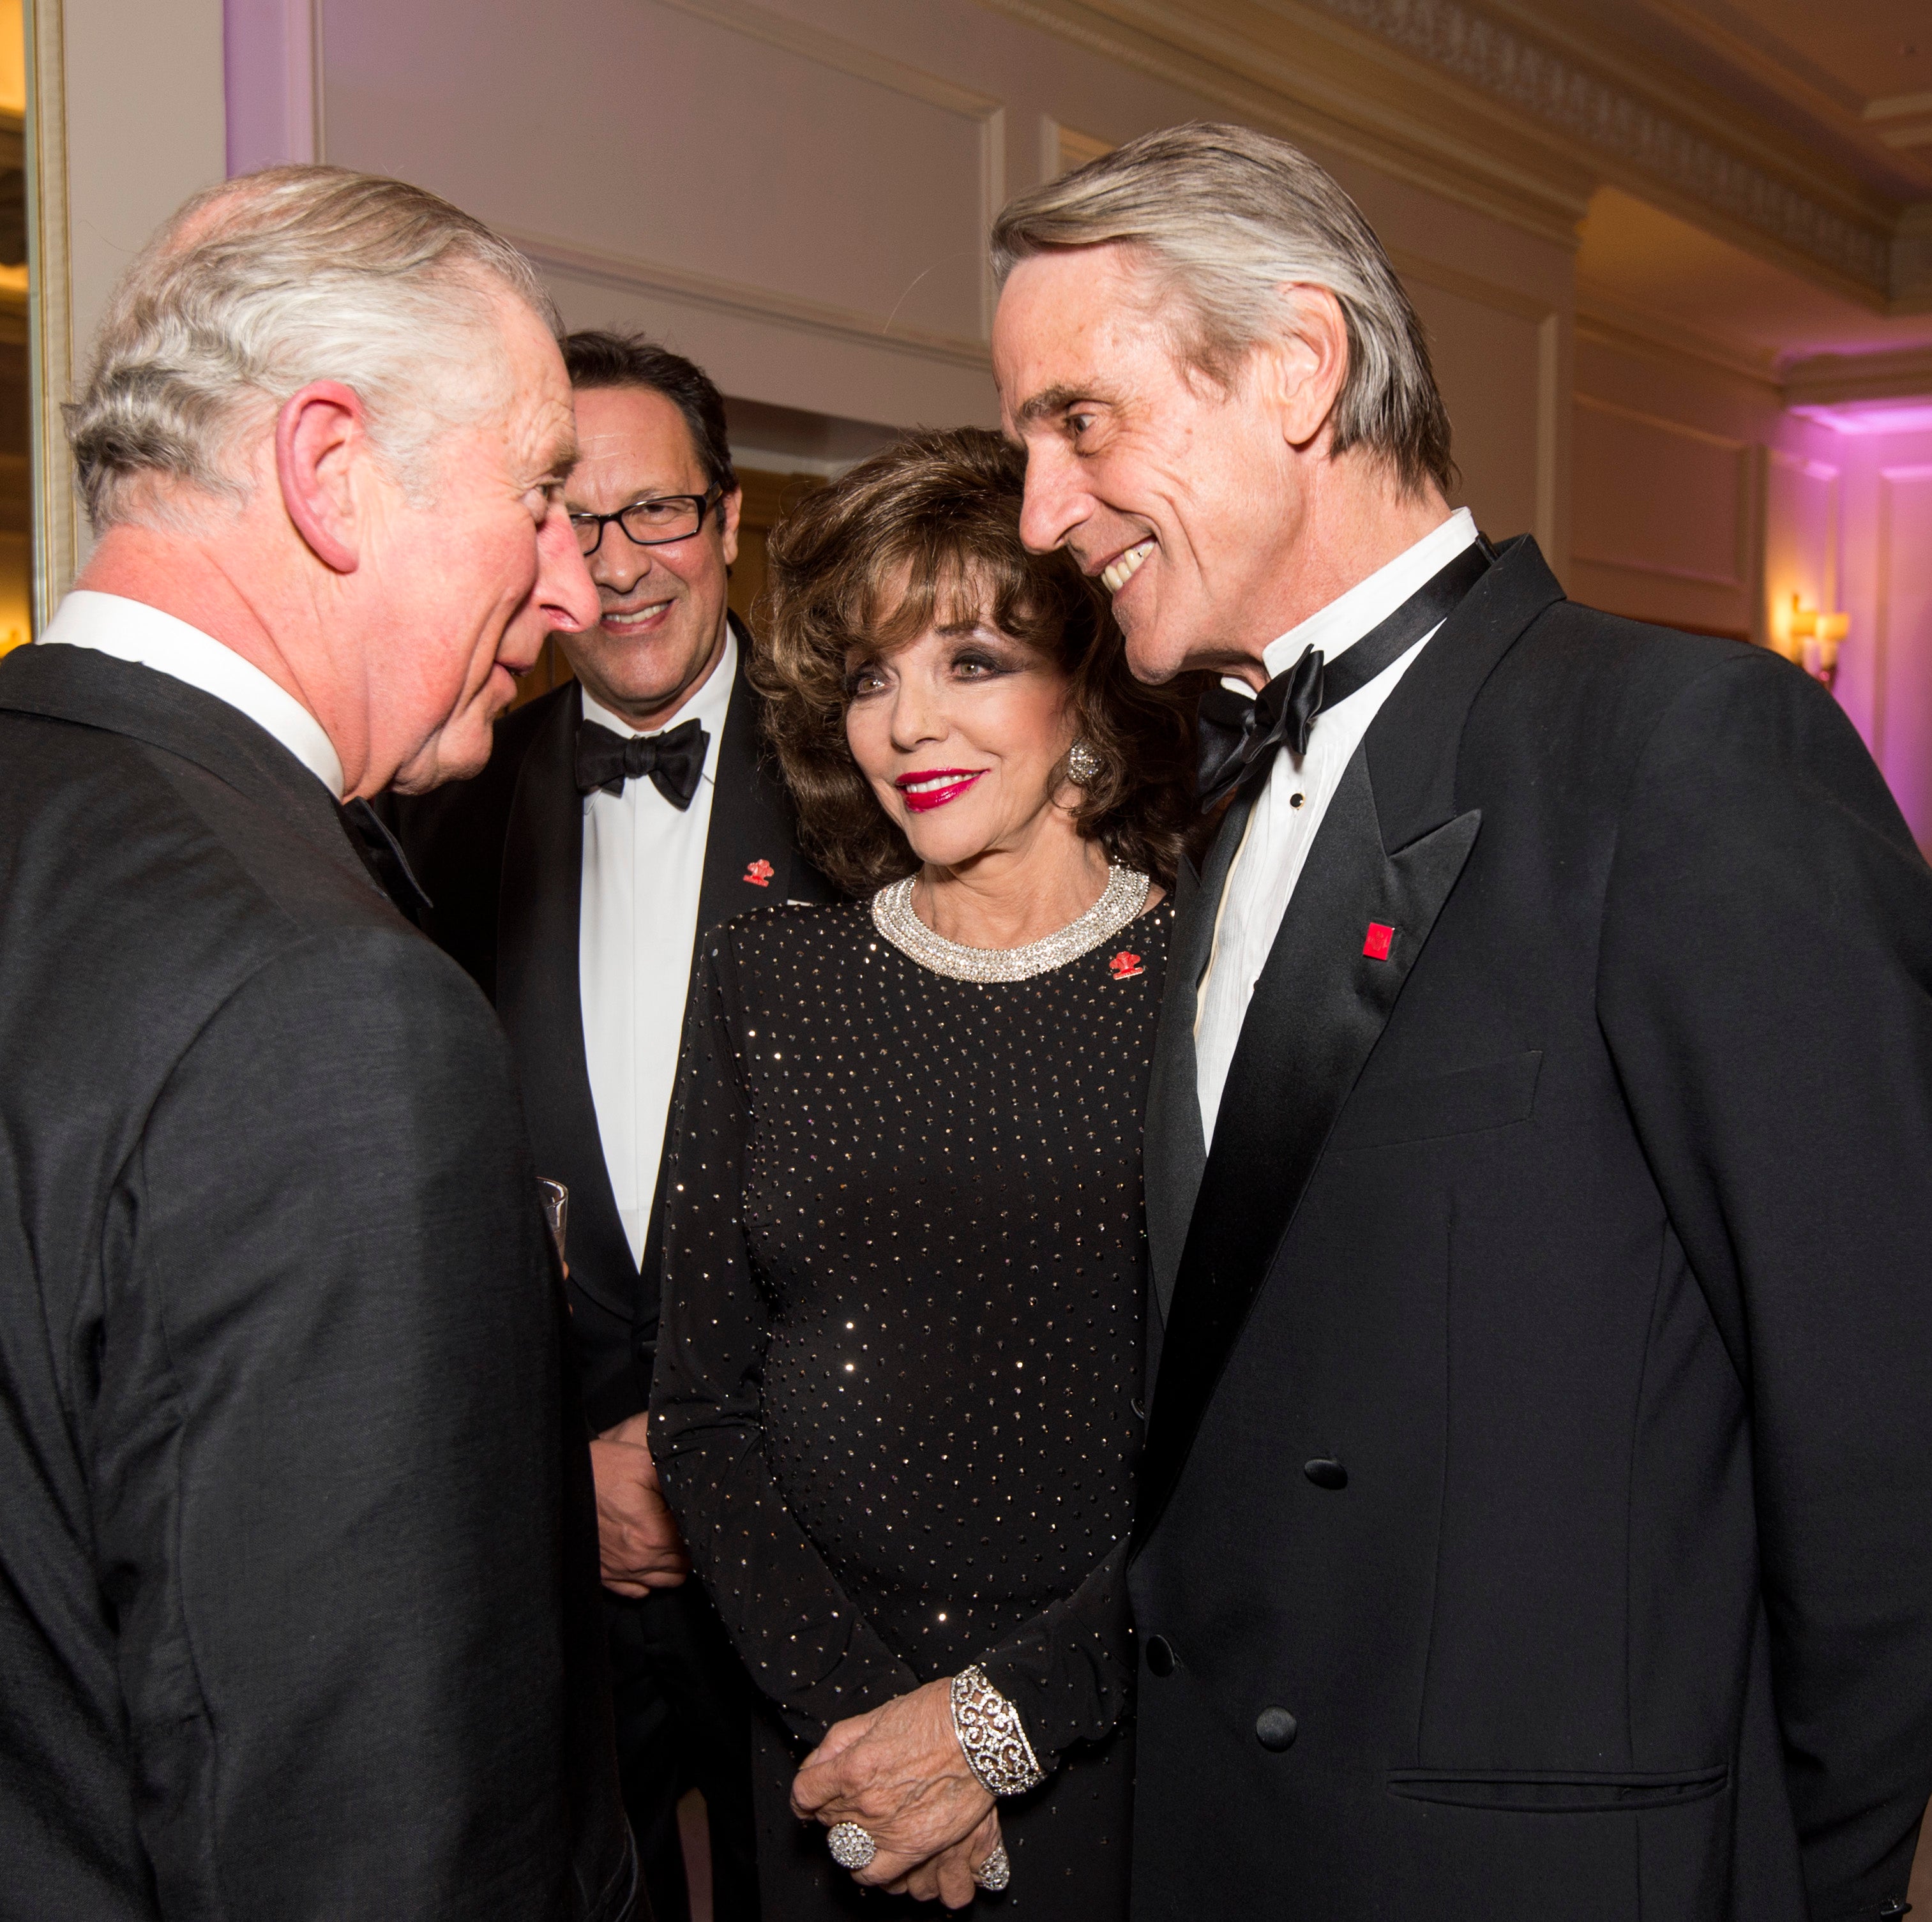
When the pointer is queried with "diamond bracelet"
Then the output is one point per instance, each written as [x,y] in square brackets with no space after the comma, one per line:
[991,1737]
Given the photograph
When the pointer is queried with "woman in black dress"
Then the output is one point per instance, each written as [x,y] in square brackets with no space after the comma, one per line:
[896,1404]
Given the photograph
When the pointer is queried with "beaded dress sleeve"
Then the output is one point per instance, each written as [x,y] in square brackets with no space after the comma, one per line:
[807,1646]
[1070,1670]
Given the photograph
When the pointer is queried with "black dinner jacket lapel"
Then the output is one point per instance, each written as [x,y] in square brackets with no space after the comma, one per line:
[1391,848]
[751,847]
[1175,1154]
[542,1009]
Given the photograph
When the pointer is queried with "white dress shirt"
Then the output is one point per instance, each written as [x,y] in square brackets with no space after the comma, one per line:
[133,630]
[643,869]
[1289,811]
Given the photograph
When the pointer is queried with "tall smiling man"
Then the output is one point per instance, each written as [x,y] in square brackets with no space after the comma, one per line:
[297,1578]
[620,815]
[1536,1515]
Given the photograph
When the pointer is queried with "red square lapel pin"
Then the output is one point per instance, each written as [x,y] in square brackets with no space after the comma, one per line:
[1381,937]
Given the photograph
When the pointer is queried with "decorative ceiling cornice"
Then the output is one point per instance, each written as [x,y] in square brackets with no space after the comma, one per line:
[1534,78]
[1828,380]
[1497,116]
[1336,89]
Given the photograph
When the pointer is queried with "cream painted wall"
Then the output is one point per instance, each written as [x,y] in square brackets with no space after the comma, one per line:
[795,193]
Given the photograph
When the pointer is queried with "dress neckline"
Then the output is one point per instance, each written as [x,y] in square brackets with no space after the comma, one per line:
[1121,899]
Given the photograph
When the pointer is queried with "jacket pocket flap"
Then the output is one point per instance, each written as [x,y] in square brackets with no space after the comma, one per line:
[1540,1792]
[1492,1095]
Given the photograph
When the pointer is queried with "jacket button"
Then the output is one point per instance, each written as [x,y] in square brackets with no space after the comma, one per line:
[1159,1656]
[1326,1474]
[1275,1729]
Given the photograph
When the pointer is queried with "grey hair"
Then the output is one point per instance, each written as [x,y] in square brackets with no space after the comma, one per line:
[263,284]
[1230,219]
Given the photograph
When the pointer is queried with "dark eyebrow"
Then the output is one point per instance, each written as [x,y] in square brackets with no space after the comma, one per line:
[1049,401]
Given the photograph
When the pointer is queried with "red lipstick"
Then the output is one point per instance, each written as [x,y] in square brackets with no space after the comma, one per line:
[955,782]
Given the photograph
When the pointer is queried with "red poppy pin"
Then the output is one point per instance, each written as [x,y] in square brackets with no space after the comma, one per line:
[1125,966]
[759,874]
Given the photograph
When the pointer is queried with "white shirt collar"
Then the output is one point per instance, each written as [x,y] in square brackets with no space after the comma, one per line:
[707,705]
[1337,627]
[132,631]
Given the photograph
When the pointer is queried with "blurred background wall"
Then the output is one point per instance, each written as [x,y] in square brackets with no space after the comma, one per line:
[1675,255]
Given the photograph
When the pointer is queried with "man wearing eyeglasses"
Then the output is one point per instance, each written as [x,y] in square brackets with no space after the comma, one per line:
[621,816]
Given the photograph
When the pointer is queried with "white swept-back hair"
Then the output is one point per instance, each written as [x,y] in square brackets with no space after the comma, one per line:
[263,284]
[1229,220]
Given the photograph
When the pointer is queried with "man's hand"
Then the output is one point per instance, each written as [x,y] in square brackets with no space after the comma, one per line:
[898,1773]
[637,1541]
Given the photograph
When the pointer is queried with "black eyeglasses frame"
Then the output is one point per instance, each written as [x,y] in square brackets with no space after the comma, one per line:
[704,502]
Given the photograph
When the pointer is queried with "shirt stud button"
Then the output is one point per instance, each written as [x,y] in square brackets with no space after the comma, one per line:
[1296,800]
[1275,1729]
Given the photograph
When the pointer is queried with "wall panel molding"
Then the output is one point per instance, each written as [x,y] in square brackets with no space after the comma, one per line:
[1607,321]
[850,57]
[1744,484]
[1318,82]
[1504,117]
[628,274]
[1830,378]
[1552,442]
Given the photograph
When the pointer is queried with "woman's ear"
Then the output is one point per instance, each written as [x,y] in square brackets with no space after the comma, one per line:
[321,442]
[1301,372]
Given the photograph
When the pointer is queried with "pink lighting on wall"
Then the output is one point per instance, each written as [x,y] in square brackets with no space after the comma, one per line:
[1873,417]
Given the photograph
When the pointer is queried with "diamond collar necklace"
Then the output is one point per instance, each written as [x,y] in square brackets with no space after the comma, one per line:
[1120,900]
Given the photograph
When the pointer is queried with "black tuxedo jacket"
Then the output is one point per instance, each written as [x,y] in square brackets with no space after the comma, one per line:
[1537,1508]
[501,858]
[298,1610]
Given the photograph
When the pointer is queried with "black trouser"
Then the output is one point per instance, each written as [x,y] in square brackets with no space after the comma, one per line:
[683,1706]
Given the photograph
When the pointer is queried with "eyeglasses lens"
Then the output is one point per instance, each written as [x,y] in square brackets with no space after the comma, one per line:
[648,523]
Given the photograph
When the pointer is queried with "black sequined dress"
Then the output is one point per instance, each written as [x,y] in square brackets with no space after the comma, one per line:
[895,1399]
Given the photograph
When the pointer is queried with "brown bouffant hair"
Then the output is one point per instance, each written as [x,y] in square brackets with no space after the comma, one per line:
[927,532]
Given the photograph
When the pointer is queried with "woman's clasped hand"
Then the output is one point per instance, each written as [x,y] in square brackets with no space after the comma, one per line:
[899,1773]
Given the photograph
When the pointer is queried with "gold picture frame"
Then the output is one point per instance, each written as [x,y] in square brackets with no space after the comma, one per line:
[49,325]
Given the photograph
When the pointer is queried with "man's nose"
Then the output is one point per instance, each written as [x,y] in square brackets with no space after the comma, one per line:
[564,589]
[1052,507]
[620,563]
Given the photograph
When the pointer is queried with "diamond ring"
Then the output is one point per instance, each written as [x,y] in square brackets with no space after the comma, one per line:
[851,1847]
[994,1874]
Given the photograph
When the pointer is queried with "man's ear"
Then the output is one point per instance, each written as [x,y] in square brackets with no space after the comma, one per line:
[1304,368]
[322,439]
[729,509]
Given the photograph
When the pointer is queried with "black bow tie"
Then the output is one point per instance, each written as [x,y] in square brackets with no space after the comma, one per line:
[674,761]
[382,855]
[1239,733]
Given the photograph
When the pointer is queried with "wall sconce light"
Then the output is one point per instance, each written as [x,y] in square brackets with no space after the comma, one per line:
[1815,638]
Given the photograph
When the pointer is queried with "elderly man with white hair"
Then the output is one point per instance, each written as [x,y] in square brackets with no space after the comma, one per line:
[1535,1515]
[298,1571]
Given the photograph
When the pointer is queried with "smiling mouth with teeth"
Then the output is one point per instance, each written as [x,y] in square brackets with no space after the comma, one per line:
[1122,567]
[933,787]
[632,617]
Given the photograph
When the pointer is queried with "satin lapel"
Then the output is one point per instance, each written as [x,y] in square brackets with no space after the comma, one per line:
[1319,1009]
[749,851]
[1177,1150]
[542,1009]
